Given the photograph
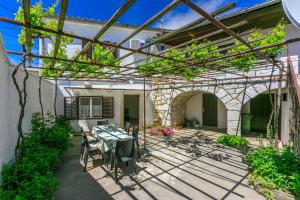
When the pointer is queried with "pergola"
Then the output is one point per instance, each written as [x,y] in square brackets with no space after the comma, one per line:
[131,70]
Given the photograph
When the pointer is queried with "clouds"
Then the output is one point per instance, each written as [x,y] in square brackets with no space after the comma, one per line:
[176,19]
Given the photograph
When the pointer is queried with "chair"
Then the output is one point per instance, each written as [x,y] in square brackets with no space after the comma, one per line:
[83,125]
[126,127]
[102,122]
[123,153]
[87,147]
[135,134]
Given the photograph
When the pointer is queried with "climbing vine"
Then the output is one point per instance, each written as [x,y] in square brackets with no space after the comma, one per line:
[203,51]
[195,53]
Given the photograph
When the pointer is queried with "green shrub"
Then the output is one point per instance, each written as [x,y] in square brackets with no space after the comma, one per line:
[233,141]
[7,189]
[279,169]
[51,133]
[295,186]
[38,160]
[40,187]
[41,150]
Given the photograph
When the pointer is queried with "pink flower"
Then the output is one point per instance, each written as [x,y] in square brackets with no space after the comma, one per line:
[168,132]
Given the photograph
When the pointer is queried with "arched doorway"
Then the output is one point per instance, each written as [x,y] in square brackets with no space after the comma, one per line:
[260,110]
[203,107]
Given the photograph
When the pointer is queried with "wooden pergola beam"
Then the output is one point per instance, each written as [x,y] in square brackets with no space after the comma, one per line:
[171,34]
[236,54]
[189,42]
[206,62]
[169,7]
[27,20]
[60,25]
[6,20]
[220,25]
[107,25]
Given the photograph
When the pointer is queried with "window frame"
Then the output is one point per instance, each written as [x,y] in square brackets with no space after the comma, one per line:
[71,108]
[90,107]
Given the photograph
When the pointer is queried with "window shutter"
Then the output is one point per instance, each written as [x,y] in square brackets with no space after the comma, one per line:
[108,107]
[89,51]
[71,107]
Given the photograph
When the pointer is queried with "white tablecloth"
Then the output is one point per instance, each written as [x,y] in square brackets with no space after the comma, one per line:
[108,136]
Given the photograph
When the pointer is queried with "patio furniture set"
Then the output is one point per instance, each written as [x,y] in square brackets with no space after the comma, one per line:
[112,143]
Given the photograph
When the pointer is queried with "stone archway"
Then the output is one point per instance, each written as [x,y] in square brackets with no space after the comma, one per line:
[166,100]
[232,95]
[191,105]
[256,91]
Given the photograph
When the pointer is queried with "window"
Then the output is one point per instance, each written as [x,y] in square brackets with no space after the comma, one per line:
[90,107]
[71,107]
[97,107]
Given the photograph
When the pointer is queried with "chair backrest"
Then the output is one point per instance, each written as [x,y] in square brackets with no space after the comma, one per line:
[102,122]
[126,128]
[124,149]
[85,140]
[84,125]
[135,132]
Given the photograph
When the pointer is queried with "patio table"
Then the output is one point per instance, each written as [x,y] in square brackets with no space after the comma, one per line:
[108,136]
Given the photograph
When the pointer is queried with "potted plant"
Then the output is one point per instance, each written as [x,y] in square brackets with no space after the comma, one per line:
[167,133]
[188,122]
[196,123]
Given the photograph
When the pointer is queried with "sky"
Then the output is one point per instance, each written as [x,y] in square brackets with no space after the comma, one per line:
[103,10]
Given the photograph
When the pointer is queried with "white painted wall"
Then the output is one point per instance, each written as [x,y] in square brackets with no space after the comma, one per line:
[115,34]
[7,138]
[285,122]
[222,115]
[118,105]
[194,108]
[9,105]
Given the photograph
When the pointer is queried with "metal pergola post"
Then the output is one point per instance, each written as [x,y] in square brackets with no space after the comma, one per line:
[144,121]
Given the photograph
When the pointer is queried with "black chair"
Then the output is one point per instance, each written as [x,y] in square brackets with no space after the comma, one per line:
[124,153]
[102,122]
[87,147]
[126,127]
[135,135]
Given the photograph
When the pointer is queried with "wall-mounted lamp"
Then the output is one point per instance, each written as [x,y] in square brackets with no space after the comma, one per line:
[87,84]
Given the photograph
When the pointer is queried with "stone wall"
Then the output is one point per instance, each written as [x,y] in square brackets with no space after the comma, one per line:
[233,92]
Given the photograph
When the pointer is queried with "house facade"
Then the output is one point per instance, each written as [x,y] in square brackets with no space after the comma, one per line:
[218,104]
[94,100]
[223,103]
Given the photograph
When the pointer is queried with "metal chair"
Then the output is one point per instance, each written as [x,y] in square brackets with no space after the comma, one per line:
[102,122]
[124,153]
[87,147]
[127,126]
[135,134]
[84,128]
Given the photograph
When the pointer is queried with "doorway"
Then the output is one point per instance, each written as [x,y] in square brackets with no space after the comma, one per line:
[260,110]
[210,110]
[131,109]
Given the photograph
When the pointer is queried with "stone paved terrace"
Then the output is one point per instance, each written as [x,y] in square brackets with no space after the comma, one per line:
[191,166]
